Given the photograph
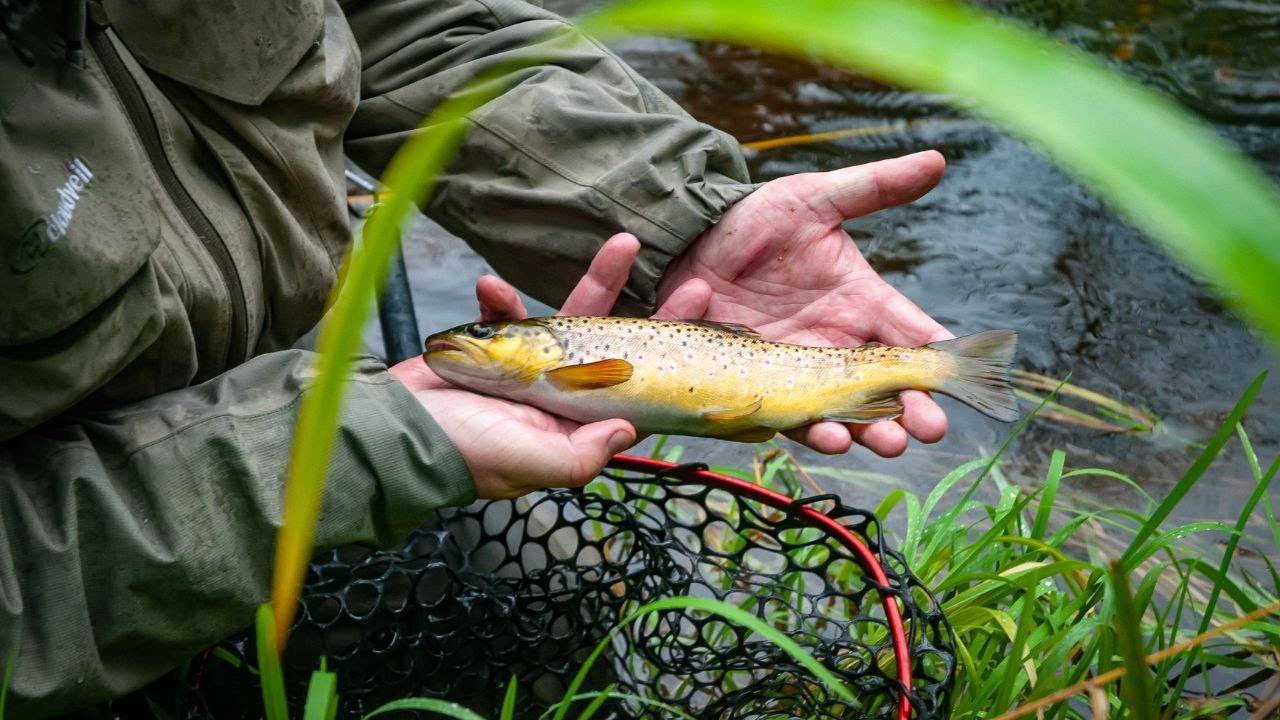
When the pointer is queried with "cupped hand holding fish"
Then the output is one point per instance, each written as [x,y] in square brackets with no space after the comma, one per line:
[779,262]
[512,448]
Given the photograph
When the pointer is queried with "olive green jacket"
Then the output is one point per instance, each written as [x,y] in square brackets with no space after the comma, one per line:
[173,215]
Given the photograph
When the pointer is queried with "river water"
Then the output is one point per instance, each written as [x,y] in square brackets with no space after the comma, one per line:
[1007,240]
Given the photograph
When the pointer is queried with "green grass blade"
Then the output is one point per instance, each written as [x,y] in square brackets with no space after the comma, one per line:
[715,607]
[322,696]
[1262,483]
[509,700]
[1137,686]
[1026,621]
[1049,494]
[8,677]
[1163,168]
[597,702]
[409,178]
[274,703]
[1192,475]
[669,710]
[440,707]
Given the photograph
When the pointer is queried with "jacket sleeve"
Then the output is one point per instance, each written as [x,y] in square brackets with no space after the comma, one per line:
[579,148]
[131,538]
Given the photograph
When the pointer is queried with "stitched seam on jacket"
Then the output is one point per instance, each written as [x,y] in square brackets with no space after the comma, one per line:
[550,165]
[128,455]
[312,219]
[626,69]
[565,174]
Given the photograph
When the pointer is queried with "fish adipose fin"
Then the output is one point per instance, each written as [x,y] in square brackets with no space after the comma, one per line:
[981,378]
[591,376]
[734,328]
[874,408]
[731,414]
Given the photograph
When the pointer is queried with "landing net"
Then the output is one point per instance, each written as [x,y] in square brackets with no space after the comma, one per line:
[527,588]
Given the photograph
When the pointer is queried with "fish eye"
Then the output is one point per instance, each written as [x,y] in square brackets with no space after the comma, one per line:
[479,332]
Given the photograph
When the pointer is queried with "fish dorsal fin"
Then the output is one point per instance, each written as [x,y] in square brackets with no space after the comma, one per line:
[880,407]
[591,376]
[734,328]
[732,414]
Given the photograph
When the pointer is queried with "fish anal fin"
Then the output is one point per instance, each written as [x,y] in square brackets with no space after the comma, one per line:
[591,376]
[732,414]
[751,435]
[734,328]
[881,407]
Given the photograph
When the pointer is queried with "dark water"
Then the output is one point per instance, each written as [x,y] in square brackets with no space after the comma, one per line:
[1007,240]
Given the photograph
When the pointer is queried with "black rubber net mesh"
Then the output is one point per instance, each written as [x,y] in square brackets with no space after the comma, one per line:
[527,588]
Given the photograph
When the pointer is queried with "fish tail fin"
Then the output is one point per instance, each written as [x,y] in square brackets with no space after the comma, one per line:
[981,378]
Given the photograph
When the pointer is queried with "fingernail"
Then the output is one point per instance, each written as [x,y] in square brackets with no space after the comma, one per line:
[619,441]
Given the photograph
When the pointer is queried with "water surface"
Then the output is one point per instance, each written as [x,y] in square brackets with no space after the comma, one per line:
[1007,240]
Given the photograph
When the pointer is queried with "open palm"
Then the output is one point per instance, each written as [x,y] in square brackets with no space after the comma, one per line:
[779,261]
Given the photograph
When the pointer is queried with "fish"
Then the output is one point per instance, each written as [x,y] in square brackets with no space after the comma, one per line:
[709,379]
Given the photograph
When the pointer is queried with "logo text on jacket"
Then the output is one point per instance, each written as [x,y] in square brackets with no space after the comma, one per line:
[44,232]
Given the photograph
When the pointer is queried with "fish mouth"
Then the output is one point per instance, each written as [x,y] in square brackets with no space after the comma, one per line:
[440,346]
[454,346]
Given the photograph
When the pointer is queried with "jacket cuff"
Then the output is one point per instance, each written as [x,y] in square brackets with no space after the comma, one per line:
[387,432]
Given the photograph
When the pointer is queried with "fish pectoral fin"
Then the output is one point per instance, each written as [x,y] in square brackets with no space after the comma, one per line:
[734,328]
[732,414]
[751,435]
[591,376]
[875,408]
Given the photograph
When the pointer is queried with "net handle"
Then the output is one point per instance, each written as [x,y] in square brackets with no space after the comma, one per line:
[810,516]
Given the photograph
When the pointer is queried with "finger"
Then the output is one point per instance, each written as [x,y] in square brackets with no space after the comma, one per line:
[856,191]
[556,459]
[687,302]
[886,438]
[901,322]
[598,290]
[594,444]
[830,438]
[921,417]
[498,300]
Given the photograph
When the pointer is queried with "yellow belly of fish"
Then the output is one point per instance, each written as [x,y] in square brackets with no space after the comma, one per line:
[741,403]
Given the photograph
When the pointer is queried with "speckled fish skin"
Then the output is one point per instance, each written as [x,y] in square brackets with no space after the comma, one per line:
[711,380]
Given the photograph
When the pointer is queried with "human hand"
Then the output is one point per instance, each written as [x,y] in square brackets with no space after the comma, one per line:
[510,448]
[779,262]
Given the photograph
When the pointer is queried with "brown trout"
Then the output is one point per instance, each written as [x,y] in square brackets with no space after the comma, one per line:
[712,379]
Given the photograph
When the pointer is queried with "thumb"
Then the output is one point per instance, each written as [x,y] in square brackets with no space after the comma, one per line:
[856,191]
[498,300]
[592,445]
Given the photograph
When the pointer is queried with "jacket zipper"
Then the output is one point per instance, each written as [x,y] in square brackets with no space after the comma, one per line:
[145,125]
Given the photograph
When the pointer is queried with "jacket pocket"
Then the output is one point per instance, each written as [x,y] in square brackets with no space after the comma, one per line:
[239,52]
[83,213]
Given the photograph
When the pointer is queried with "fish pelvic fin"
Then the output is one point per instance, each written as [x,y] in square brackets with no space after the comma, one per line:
[981,378]
[880,407]
[731,414]
[591,376]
